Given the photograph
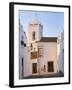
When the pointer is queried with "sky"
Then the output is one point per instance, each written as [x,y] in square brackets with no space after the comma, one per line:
[53,22]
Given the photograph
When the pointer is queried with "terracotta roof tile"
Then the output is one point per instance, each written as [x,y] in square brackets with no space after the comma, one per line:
[48,39]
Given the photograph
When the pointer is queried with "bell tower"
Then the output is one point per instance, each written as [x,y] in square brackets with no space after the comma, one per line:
[35,31]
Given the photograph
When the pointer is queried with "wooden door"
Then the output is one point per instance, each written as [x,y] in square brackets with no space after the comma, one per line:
[50,66]
[34,67]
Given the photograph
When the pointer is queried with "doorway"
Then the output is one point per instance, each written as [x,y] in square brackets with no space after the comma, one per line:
[34,67]
[50,66]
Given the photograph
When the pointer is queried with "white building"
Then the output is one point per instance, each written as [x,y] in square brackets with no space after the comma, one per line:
[22,51]
[43,52]
[60,52]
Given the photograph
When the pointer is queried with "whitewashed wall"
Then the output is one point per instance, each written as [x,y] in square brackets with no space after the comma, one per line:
[25,53]
[60,52]
[27,63]
[21,50]
[49,54]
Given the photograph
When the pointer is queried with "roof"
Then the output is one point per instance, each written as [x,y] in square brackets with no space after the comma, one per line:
[48,39]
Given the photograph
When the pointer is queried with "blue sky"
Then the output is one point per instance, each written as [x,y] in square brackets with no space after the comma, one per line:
[53,22]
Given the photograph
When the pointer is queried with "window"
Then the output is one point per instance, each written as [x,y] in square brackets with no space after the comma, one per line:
[50,66]
[40,52]
[33,55]
[34,67]
[33,35]
[31,45]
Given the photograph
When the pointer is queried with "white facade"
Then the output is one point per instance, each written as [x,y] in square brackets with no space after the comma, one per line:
[49,55]
[22,52]
[60,52]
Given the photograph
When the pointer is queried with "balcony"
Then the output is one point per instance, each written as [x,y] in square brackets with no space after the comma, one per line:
[34,55]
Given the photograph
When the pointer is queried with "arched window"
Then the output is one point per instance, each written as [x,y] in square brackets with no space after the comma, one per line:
[33,35]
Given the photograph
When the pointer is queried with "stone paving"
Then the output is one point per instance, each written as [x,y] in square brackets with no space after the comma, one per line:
[60,74]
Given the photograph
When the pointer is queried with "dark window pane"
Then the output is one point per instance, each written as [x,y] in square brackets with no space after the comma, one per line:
[33,36]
